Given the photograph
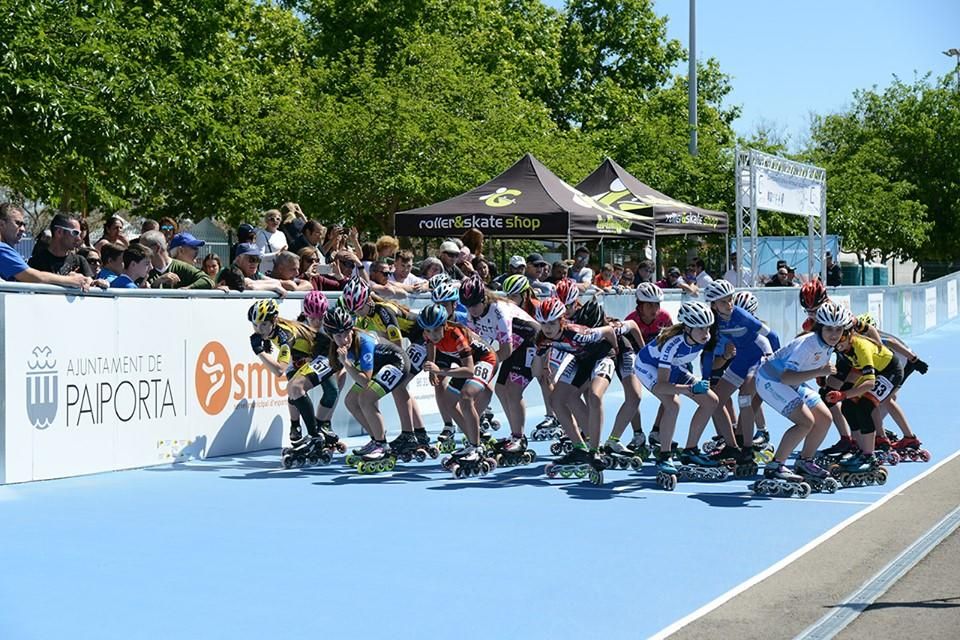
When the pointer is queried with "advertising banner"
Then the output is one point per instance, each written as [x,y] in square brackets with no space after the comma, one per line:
[930,307]
[875,308]
[788,193]
[952,299]
[906,312]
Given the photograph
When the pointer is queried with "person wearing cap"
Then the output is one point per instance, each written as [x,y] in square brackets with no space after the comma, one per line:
[185,247]
[515,266]
[674,280]
[746,276]
[246,233]
[449,254]
[580,272]
[834,275]
[247,265]
[536,268]
[169,273]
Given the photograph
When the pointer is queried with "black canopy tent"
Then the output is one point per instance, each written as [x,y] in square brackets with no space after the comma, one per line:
[526,201]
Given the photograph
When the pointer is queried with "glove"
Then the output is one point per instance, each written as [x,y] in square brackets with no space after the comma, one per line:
[701,386]
[833,397]
[257,344]
[917,365]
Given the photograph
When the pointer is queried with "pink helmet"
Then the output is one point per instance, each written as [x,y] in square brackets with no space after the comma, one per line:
[315,305]
[550,310]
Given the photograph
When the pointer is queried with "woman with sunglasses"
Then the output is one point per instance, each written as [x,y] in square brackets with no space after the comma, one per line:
[168,227]
[270,239]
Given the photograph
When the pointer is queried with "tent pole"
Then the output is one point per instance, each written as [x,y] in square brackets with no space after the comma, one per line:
[656,258]
[569,244]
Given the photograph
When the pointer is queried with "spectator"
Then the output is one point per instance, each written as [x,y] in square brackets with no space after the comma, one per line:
[449,254]
[482,268]
[430,267]
[617,274]
[286,269]
[380,272]
[292,223]
[472,239]
[387,247]
[834,273]
[247,265]
[112,266]
[674,280]
[12,266]
[644,272]
[344,264]
[698,269]
[536,268]
[85,233]
[168,273]
[113,232]
[558,272]
[149,225]
[731,273]
[581,272]
[368,255]
[270,239]
[310,236]
[781,279]
[332,242]
[626,280]
[309,262]
[402,265]
[211,265]
[516,266]
[185,247]
[246,234]
[92,256]
[168,227]
[465,262]
[604,279]
[136,266]
[61,255]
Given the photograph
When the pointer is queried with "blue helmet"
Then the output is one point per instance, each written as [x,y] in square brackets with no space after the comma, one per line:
[432,317]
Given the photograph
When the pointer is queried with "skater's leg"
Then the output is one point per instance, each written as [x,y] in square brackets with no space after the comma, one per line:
[706,405]
[802,419]
[594,391]
[630,409]
[371,411]
[821,426]
[511,399]
[670,405]
[721,417]
[564,396]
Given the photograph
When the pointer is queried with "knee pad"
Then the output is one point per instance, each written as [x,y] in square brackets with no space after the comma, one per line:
[330,392]
[744,401]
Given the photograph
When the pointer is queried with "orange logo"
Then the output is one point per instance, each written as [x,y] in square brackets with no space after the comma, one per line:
[212,378]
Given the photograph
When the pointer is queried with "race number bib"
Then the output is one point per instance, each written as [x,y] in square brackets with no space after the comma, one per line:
[882,388]
[530,355]
[483,371]
[603,369]
[417,354]
[388,377]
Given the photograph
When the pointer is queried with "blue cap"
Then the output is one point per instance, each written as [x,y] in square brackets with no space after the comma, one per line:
[245,229]
[185,240]
[248,249]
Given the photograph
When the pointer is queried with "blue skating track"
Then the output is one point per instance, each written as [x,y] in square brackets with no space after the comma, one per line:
[237,548]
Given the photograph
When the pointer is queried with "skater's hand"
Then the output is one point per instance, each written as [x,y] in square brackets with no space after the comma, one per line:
[829,369]
[730,352]
[430,367]
[434,380]
[256,343]
[833,397]
[342,352]
[700,386]
[919,365]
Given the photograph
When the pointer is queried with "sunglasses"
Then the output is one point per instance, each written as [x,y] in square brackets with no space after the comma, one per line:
[452,254]
[73,232]
[166,227]
[273,219]
[253,259]
[94,261]
[18,223]
[312,260]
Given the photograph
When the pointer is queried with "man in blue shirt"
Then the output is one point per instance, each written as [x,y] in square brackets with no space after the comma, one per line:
[12,265]
[136,266]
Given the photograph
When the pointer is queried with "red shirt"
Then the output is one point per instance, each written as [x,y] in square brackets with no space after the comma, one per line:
[650,331]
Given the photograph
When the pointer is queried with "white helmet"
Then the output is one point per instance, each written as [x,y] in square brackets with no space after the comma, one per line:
[649,292]
[831,314]
[746,301]
[695,315]
[718,290]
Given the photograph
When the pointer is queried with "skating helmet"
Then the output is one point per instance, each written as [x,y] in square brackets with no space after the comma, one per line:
[432,317]
[263,310]
[567,291]
[356,293]
[649,292]
[550,310]
[812,294]
[438,280]
[315,305]
[695,315]
[446,292]
[718,290]
[831,314]
[516,284]
[473,291]
[591,314]
[865,320]
[337,320]
[746,301]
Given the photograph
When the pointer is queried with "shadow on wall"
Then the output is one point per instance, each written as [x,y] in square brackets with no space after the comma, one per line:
[239,435]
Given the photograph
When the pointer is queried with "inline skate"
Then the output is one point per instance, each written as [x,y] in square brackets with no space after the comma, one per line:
[513,451]
[562,446]
[638,445]
[908,448]
[817,477]
[653,441]
[833,454]
[469,461]
[446,439]
[616,456]
[741,462]
[548,429]
[883,449]
[666,473]
[858,470]
[301,452]
[378,459]
[488,422]
[407,447]
[713,444]
[761,439]
[354,457]
[778,480]
[578,463]
[696,466]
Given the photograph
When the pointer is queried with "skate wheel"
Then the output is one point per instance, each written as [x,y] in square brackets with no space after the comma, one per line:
[433,452]
[550,470]
[881,476]
[555,448]
[636,464]
[341,447]
[566,473]
[326,457]
[457,471]
[804,490]
[925,455]
[287,461]
[830,485]
[420,456]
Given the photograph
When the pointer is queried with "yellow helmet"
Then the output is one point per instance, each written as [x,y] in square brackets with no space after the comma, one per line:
[263,310]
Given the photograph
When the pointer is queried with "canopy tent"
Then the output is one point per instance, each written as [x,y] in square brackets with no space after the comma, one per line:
[525,201]
[611,185]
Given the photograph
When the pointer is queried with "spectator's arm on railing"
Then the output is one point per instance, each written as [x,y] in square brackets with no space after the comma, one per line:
[72,280]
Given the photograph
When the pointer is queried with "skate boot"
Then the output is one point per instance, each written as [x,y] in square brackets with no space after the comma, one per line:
[357,454]
[562,446]
[488,422]
[696,466]
[469,461]
[298,453]
[761,439]
[726,455]
[909,448]
[859,470]
[666,473]
[639,445]
[378,459]
[425,446]
[741,462]
[548,429]
[817,477]
[445,441]
[653,441]
[885,452]
[578,463]
[331,440]
[405,447]
[778,480]
[513,451]
[713,444]
[617,456]
[832,455]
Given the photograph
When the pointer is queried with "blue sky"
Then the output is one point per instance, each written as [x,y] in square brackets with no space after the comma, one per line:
[787,59]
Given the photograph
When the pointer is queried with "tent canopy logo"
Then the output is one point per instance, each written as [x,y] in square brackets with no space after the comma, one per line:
[501,197]
[42,387]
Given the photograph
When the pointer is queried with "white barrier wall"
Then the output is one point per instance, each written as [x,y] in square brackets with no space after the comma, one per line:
[97,383]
